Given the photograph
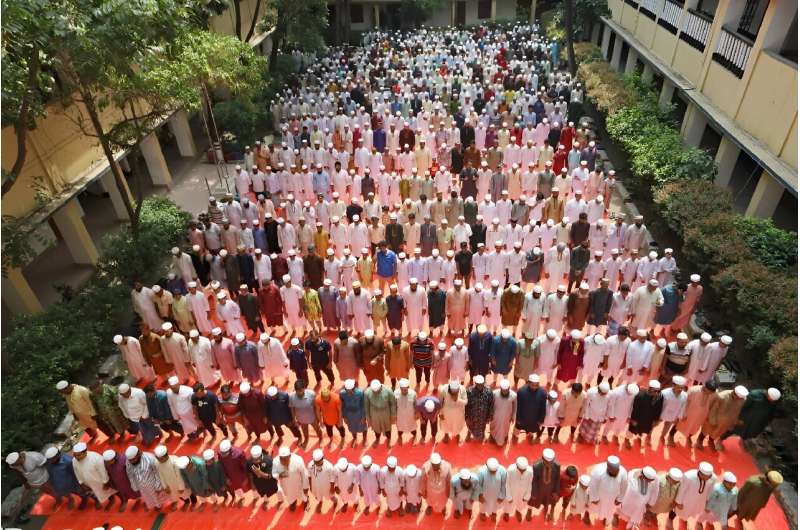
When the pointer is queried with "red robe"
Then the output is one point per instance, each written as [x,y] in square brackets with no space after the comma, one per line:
[253,413]
[271,303]
[559,161]
[567,137]
[568,362]
[406,137]
[236,469]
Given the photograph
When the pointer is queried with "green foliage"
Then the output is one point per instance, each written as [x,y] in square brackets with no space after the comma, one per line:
[771,246]
[711,243]
[782,358]
[586,12]
[604,88]
[241,120]
[586,52]
[684,201]
[299,24]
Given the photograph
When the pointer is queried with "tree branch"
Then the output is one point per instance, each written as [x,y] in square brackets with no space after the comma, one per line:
[22,122]
[254,22]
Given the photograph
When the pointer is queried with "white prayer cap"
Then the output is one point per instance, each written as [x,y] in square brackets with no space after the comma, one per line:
[705,468]
[110,454]
[478,379]
[548,454]
[675,473]
[576,334]
[436,458]
[284,451]
[682,336]
[286,278]
[215,284]
[256,451]
[453,384]
[391,461]
[552,334]
[172,381]
[224,446]
[295,341]
[349,384]
[505,334]
[175,250]
[492,464]
[585,480]
[612,460]
[522,463]
[240,337]
[515,289]
[632,389]
[615,251]
[191,285]
[166,326]
[773,394]
[194,334]
[533,378]
[495,283]
[652,254]
[433,284]
[584,286]
[244,388]
[599,254]
[464,474]
[641,333]
[552,394]
[272,391]
[603,387]
[160,451]
[404,383]
[123,388]
[459,342]
[562,288]
[182,462]
[422,335]
[51,452]
[220,296]
[61,385]
[599,339]
[208,454]
[317,455]
[117,339]
[413,281]
[741,391]
[678,380]
[654,384]
[411,470]
[156,288]
[366,460]
[341,464]
[705,337]
[482,327]
[726,340]
[661,343]
[130,452]
[537,288]
[694,278]
[442,346]
[223,253]
[375,385]
[653,282]
[649,473]
[79,447]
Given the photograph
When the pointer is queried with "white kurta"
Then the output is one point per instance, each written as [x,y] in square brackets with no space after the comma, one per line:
[230,314]
[272,358]
[358,305]
[674,407]
[292,478]
[457,365]
[453,421]
[292,296]
[203,359]
[606,491]
[176,351]
[347,483]
[639,495]
[392,481]
[170,476]
[145,308]
[131,351]
[413,488]
[505,411]
[321,479]
[180,404]
[643,307]
[620,404]
[692,494]
[518,488]
[493,488]
[368,479]
[406,411]
[416,303]
[199,305]
[91,471]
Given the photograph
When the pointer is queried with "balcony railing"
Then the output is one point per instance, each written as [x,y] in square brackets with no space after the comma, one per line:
[633,3]
[695,30]
[732,52]
[670,16]
[650,8]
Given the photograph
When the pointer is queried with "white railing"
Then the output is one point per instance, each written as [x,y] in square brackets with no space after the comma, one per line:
[695,30]
[650,8]
[732,52]
[671,15]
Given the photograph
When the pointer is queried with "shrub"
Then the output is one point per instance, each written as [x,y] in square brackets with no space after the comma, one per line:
[240,121]
[771,246]
[711,243]
[782,359]
[684,201]
[586,52]
[604,87]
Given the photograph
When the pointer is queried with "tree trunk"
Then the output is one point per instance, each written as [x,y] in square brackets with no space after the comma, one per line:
[569,10]
[238,19]
[254,22]
[22,121]
[277,38]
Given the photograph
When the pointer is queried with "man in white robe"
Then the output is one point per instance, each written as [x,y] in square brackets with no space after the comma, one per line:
[292,296]
[170,475]
[519,482]
[142,299]
[202,355]
[292,476]
[230,314]
[322,478]
[693,492]
[179,398]
[454,401]
[131,351]
[644,302]
[415,300]
[532,312]
[198,303]
[272,357]
[413,489]
[609,482]
[182,265]
[555,309]
[546,352]
[620,404]
[674,405]
[406,411]
[90,470]
[368,476]
[505,411]
[392,482]
[359,308]
[638,356]
[641,494]
[492,485]
[176,352]
[346,482]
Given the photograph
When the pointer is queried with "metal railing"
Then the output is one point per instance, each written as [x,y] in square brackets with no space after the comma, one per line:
[633,3]
[671,16]
[695,30]
[732,52]
[650,8]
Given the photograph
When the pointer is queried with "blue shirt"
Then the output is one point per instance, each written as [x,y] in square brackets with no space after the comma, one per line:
[386,263]
[62,476]
[321,182]
[503,352]
[379,140]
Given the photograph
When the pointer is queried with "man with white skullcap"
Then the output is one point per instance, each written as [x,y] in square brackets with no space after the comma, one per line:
[723,415]
[132,402]
[31,466]
[79,403]
[260,469]
[674,408]
[292,475]
[546,483]
[62,479]
[179,398]
[668,483]
[413,489]
[322,478]
[644,302]
[595,413]
[406,399]
[609,481]
[760,407]
[346,484]
[392,484]
[642,492]
[415,301]
[638,357]
[170,475]
[292,296]
[695,488]
[686,309]
[518,488]
[368,476]
[645,413]
[722,503]
[465,489]
[229,313]
[479,408]
[504,412]
[492,479]
[131,351]
[142,471]
[579,502]
[90,470]
[380,408]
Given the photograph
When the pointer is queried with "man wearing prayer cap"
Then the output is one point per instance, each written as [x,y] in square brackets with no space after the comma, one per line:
[79,403]
[760,407]
[176,351]
[465,489]
[674,408]
[406,400]
[721,504]
[116,465]
[31,466]
[142,471]
[646,411]
[504,413]
[91,473]
[492,478]
[392,481]
[380,407]
[62,480]
[234,463]
[595,413]
[518,489]
[322,478]
[642,492]
[179,398]
[723,415]
[609,481]
[170,476]
[668,483]
[755,493]
[368,478]
[644,302]
[546,482]
[695,488]
[479,408]
[346,483]
[691,297]
[291,473]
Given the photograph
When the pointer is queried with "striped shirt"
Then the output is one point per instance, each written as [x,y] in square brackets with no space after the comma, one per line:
[422,352]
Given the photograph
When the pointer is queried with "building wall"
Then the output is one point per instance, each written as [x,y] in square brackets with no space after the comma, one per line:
[226,22]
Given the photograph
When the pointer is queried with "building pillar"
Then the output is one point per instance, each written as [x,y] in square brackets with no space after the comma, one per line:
[109,184]
[630,64]
[694,125]
[533,11]
[667,91]
[179,125]
[765,198]
[73,230]
[596,31]
[494,10]
[18,295]
[615,55]
[727,155]
[376,15]
[606,41]
[154,158]
[647,73]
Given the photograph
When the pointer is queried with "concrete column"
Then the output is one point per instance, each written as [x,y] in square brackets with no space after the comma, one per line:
[606,41]
[533,11]
[667,91]
[596,31]
[647,73]
[615,55]
[727,155]
[630,64]
[109,185]
[376,16]
[765,198]
[72,228]
[154,158]
[18,295]
[179,125]
[494,10]
[694,125]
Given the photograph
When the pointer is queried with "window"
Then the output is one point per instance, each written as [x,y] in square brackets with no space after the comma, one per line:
[484,9]
[356,13]
[789,47]
[752,17]
[708,7]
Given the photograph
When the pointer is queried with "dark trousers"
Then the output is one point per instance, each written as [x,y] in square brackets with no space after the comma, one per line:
[423,371]
[325,370]
[423,427]
[212,427]
[302,375]
[329,430]
[256,325]
[292,428]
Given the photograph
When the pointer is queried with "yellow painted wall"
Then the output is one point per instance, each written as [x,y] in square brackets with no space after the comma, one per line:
[629,16]
[769,104]
[663,43]
[616,6]
[789,153]
[226,22]
[688,62]
[722,88]
[645,29]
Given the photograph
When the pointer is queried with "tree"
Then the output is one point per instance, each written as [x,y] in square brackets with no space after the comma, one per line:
[298,24]
[569,11]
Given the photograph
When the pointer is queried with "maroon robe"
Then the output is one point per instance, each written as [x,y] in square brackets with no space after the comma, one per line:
[406,137]
[253,412]
[236,469]
[567,137]
[119,477]
[559,162]
[568,362]
[271,303]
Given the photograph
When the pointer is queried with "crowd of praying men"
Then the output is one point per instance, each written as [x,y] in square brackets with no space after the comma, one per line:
[428,201]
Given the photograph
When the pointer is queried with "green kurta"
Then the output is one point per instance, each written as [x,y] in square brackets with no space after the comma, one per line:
[753,496]
[196,479]
[381,409]
[756,414]
[105,401]
[182,312]
[526,359]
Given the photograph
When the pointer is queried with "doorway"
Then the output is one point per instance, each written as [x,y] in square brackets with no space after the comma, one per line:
[461,13]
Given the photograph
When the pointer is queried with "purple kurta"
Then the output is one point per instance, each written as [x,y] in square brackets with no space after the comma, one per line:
[247,360]
[119,477]
[236,469]
[253,413]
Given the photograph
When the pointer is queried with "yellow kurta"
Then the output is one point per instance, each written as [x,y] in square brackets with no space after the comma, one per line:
[79,402]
